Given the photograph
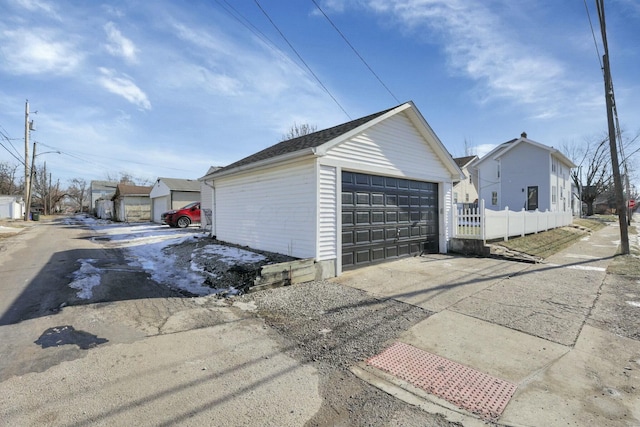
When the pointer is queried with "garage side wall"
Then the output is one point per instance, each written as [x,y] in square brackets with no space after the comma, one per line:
[328,213]
[269,209]
[206,204]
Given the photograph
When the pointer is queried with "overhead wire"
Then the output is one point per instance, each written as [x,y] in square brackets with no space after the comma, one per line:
[593,34]
[355,51]
[79,156]
[618,132]
[5,135]
[301,59]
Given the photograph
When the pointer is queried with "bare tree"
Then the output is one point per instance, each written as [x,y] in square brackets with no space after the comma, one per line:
[44,192]
[127,178]
[593,176]
[78,191]
[296,131]
[8,184]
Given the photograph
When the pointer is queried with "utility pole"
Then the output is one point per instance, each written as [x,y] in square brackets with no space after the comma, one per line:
[26,158]
[33,162]
[610,101]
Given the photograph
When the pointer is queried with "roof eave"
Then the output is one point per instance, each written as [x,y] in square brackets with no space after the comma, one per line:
[260,163]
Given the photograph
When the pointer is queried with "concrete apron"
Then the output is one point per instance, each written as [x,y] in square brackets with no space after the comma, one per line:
[521,323]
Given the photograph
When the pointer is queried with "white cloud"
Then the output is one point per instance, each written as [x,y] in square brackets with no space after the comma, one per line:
[118,44]
[482,149]
[37,6]
[37,51]
[482,47]
[196,76]
[123,85]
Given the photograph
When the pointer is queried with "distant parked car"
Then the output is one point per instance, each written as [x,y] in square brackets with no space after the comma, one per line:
[182,217]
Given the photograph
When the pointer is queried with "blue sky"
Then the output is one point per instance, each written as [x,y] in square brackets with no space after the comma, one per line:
[168,88]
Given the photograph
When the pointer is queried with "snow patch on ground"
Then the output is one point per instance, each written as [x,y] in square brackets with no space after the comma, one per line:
[86,278]
[148,246]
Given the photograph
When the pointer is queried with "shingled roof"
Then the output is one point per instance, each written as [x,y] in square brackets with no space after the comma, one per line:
[311,140]
[131,190]
[176,184]
[462,161]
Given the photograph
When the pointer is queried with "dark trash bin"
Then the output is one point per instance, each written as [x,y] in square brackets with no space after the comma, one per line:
[35,216]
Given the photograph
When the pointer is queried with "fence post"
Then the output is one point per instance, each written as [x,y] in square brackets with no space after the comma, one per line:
[524,222]
[481,213]
[506,223]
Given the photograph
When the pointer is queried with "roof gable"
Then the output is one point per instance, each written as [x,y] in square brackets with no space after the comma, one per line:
[321,141]
[176,184]
[505,147]
[301,143]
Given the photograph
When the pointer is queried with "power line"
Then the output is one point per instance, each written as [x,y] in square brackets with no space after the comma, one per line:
[5,135]
[593,34]
[78,156]
[302,60]
[245,22]
[356,51]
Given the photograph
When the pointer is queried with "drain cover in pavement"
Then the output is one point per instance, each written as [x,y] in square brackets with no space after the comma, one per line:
[465,387]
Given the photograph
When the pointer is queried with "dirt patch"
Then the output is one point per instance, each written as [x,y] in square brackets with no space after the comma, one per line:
[221,274]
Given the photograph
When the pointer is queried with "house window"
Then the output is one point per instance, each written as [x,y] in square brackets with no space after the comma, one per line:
[470,180]
[498,171]
[494,198]
[466,197]
[532,198]
[554,196]
[455,197]
[553,166]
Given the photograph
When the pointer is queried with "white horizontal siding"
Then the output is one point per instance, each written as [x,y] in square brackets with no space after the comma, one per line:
[328,214]
[159,189]
[206,202]
[271,209]
[393,147]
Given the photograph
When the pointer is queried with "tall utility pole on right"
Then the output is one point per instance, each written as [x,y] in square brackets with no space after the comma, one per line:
[611,106]
[27,172]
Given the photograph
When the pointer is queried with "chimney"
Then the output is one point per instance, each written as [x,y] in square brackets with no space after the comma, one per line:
[523,135]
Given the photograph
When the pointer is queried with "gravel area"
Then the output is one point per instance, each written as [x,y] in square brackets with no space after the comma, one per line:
[333,328]
[330,326]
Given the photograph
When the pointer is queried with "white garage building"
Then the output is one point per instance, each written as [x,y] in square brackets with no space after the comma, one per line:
[372,189]
[172,193]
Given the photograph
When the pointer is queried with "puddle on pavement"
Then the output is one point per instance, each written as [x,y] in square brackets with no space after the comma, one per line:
[63,335]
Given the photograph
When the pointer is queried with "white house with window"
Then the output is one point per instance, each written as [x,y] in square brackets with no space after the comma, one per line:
[465,193]
[524,174]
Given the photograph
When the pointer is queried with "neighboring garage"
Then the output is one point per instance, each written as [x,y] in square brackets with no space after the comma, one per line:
[365,191]
[172,193]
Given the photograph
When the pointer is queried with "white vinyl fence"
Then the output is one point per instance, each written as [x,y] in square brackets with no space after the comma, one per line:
[486,224]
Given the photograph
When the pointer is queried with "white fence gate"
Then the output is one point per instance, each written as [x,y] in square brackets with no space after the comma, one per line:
[485,224]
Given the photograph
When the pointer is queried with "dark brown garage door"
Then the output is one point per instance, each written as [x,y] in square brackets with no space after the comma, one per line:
[384,218]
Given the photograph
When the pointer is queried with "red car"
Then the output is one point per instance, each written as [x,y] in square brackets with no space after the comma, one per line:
[182,217]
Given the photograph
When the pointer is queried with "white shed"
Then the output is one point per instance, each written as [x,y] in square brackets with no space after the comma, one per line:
[372,189]
[172,193]
[11,207]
